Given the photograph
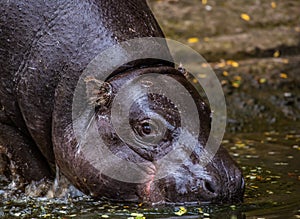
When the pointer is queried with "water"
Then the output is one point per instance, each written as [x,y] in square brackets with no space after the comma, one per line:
[270,162]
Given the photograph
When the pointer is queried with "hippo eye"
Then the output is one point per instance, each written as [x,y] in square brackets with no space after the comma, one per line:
[146,128]
[150,130]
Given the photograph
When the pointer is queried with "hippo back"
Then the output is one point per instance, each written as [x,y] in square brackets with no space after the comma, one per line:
[45,42]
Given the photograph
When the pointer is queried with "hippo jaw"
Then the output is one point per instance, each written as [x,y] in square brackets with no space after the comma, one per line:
[219,181]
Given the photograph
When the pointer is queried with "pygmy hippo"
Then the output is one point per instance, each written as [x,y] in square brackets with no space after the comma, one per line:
[45,46]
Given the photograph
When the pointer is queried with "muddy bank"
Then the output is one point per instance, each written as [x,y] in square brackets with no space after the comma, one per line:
[254,48]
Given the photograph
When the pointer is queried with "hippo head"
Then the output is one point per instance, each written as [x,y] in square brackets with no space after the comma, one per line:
[145,135]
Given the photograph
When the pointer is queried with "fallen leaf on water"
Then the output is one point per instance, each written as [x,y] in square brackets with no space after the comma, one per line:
[222,64]
[276,54]
[236,84]
[240,145]
[245,17]
[273,4]
[232,63]
[137,216]
[283,75]
[237,78]
[182,211]
[262,80]
[193,40]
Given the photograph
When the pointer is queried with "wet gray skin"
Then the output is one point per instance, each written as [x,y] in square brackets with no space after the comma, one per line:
[44,48]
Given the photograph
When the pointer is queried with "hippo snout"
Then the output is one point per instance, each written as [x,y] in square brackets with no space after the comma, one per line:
[220,181]
[224,181]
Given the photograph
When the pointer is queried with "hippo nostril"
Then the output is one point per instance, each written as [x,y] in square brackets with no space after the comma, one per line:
[209,187]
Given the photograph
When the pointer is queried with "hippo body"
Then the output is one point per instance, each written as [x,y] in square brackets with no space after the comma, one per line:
[44,48]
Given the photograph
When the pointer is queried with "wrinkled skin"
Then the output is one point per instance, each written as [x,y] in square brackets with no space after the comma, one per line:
[44,48]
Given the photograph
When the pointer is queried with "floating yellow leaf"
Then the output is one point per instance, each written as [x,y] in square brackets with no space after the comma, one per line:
[137,216]
[204,2]
[245,17]
[262,80]
[225,73]
[232,63]
[236,84]
[193,40]
[104,216]
[240,145]
[276,54]
[237,78]
[182,211]
[273,4]
[283,75]
[221,64]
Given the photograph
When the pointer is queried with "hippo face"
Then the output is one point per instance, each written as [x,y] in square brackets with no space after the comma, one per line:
[146,136]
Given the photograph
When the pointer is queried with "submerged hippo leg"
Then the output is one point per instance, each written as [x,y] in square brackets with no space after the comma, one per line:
[27,160]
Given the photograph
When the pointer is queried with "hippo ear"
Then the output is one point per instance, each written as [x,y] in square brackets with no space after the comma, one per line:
[99,93]
[183,70]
